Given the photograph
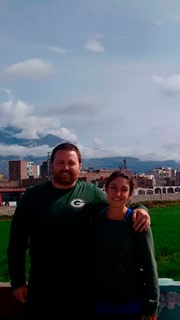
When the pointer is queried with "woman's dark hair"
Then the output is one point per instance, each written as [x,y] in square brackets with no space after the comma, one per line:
[66,146]
[122,173]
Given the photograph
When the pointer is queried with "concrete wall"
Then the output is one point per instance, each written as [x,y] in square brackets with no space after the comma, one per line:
[156,197]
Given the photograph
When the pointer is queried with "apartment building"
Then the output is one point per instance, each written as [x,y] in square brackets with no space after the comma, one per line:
[145,181]
[20,169]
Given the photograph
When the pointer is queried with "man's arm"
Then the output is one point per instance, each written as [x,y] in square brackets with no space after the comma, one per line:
[18,243]
[140,217]
[20,293]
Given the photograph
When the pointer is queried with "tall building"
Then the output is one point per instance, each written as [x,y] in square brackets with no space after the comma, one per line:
[20,169]
[45,169]
[177,177]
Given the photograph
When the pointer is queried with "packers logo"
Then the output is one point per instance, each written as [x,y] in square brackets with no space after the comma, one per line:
[77,203]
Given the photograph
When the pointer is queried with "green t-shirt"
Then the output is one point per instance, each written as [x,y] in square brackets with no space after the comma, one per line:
[54,224]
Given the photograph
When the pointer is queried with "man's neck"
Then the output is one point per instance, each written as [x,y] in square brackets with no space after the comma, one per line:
[62,186]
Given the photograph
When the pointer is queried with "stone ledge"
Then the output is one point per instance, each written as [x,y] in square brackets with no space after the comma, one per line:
[169,301]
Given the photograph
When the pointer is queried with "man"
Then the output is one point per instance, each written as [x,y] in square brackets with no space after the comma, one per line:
[53,220]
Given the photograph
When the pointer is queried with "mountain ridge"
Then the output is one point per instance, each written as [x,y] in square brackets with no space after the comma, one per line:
[8,137]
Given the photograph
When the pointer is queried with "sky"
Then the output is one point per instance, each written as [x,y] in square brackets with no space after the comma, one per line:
[103,74]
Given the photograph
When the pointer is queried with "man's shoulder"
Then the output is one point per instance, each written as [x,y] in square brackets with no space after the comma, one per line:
[92,191]
[88,185]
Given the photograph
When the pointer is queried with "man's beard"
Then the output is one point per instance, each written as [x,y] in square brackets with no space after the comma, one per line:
[64,177]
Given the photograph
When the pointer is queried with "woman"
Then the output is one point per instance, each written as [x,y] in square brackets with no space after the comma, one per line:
[125,267]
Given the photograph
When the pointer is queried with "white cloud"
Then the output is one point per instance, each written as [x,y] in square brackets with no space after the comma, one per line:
[81,107]
[126,43]
[57,50]
[22,152]
[65,134]
[7,91]
[20,115]
[169,85]
[94,44]
[33,69]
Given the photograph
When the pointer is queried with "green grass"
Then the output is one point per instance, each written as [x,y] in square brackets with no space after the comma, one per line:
[4,232]
[165,224]
[5,223]
[166,232]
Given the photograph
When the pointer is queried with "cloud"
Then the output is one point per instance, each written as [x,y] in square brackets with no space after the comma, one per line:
[57,50]
[17,150]
[83,106]
[14,113]
[95,45]
[169,85]
[20,115]
[65,134]
[33,69]
[7,91]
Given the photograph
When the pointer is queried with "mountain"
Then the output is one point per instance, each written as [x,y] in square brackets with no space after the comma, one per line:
[8,137]
[134,164]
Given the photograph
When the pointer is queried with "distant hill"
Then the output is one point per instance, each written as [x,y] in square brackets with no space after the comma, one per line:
[134,164]
[7,137]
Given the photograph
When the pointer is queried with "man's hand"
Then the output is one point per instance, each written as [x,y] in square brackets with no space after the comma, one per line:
[141,219]
[20,294]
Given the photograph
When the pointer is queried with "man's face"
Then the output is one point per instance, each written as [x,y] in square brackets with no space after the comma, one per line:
[65,169]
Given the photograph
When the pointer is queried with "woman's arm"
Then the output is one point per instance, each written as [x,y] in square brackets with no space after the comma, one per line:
[146,253]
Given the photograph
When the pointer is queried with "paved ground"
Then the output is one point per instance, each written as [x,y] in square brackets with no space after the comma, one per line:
[6,210]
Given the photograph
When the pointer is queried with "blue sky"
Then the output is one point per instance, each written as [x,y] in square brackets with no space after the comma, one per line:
[103,74]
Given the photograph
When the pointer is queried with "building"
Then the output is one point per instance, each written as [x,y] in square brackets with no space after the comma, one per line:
[145,181]
[20,169]
[164,176]
[45,169]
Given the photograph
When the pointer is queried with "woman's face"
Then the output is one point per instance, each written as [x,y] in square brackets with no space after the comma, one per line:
[118,192]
